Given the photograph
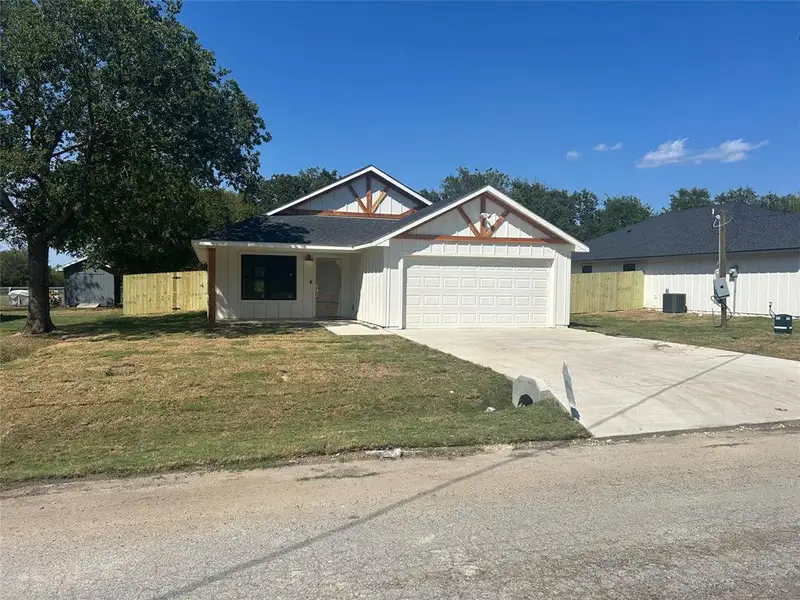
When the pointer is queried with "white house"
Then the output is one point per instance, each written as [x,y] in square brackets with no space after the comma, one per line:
[677,252]
[368,247]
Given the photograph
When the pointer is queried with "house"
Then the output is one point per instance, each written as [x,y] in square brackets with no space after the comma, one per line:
[678,251]
[85,284]
[368,247]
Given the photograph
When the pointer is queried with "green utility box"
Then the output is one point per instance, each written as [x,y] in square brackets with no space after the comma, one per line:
[783,324]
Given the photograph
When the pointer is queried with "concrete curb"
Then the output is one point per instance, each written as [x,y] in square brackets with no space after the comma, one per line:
[794,424]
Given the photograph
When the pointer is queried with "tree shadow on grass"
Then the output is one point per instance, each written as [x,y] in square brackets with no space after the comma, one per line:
[15,316]
[579,325]
[194,323]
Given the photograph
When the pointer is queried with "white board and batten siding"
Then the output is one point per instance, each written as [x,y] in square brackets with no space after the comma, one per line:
[372,272]
[231,306]
[340,199]
[764,277]
[447,283]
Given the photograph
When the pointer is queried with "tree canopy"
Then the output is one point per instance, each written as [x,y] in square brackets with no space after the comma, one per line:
[285,187]
[113,118]
[688,198]
[578,213]
[464,181]
[699,197]
[14,270]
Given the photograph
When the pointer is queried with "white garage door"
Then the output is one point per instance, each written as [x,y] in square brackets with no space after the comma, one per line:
[473,293]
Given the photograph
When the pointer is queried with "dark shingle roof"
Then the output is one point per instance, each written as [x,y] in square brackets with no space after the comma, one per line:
[318,230]
[312,230]
[691,231]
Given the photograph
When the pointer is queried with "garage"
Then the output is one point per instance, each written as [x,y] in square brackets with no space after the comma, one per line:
[466,292]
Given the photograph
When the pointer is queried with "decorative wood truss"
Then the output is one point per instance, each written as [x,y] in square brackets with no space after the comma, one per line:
[368,205]
[483,232]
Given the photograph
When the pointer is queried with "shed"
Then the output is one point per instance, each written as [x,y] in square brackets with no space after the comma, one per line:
[84,283]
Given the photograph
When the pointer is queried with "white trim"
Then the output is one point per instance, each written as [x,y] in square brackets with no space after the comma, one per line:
[74,262]
[357,174]
[300,247]
[82,259]
[578,246]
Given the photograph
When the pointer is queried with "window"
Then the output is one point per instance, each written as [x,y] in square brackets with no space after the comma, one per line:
[629,267]
[586,269]
[269,277]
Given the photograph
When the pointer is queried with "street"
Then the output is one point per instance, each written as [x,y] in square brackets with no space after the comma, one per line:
[705,515]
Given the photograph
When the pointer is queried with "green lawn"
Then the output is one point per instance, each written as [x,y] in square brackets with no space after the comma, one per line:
[120,395]
[744,334]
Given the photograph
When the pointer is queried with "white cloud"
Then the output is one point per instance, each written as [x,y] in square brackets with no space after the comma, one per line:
[675,151]
[603,147]
[573,155]
[670,152]
[730,151]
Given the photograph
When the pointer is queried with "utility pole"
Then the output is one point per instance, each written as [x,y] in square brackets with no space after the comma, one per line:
[723,262]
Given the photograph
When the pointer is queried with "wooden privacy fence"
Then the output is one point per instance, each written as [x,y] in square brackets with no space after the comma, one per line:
[162,293]
[604,292]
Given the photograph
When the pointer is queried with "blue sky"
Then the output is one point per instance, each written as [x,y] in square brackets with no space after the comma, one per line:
[681,94]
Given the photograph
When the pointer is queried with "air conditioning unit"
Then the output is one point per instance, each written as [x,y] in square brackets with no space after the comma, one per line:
[673,303]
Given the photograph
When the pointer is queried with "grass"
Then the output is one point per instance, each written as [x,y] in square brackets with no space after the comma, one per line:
[122,395]
[751,335]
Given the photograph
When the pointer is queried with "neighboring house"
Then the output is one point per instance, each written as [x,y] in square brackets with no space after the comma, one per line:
[368,247]
[677,252]
[84,284]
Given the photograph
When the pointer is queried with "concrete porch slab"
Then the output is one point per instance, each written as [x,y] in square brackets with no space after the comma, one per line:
[354,328]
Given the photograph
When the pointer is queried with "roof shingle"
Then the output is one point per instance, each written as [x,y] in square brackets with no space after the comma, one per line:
[691,231]
[311,230]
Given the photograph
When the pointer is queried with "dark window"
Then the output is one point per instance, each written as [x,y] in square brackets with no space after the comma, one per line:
[629,267]
[586,269]
[269,277]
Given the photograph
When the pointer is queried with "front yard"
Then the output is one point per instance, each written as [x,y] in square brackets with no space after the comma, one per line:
[117,395]
[751,335]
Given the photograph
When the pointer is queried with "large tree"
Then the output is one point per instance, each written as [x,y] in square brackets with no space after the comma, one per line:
[285,187]
[14,268]
[781,203]
[112,115]
[464,181]
[744,195]
[688,198]
[621,211]
[165,244]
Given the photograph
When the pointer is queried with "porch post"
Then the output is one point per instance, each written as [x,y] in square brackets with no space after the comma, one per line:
[212,286]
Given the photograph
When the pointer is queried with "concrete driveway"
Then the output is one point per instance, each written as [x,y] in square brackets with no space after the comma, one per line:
[627,386]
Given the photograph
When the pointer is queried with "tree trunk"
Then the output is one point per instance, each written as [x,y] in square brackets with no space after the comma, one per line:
[39,300]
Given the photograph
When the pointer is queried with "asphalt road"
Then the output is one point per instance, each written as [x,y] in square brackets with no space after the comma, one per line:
[694,516]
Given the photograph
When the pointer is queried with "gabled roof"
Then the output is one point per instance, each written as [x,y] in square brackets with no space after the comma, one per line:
[354,233]
[691,231]
[347,178]
[74,262]
[438,208]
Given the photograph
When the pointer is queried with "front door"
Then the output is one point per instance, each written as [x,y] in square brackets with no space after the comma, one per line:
[329,286]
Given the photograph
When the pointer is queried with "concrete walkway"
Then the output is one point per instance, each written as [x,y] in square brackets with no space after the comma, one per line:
[626,386]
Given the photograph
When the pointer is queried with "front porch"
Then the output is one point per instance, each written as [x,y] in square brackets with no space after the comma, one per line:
[277,284]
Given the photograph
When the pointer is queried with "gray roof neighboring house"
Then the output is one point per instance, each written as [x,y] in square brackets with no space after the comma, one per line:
[691,231]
